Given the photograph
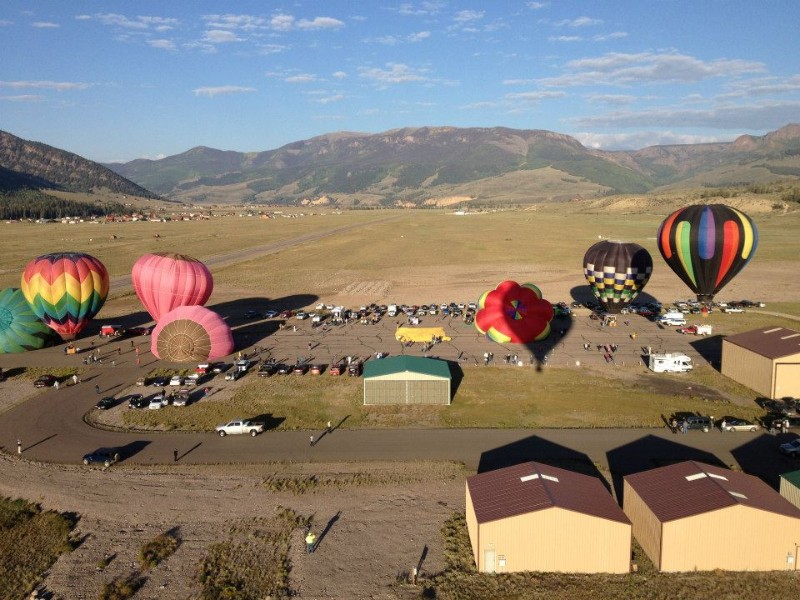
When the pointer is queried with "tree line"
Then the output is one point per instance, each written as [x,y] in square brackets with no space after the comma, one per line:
[33,204]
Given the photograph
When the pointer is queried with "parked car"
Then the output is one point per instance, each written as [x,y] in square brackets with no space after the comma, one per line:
[105,403]
[270,314]
[354,369]
[233,375]
[137,401]
[286,314]
[251,314]
[733,424]
[239,426]
[219,367]
[176,381]
[267,369]
[181,398]
[140,330]
[299,369]
[283,369]
[160,381]
[107,456]
[785,423]
[45,381]
[704,424]
[337,368]
[158,401]
[316,369]
[301,315]
[141,381]
[791,448]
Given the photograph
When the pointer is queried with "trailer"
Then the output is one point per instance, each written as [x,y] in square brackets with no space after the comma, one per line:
[696,329]
[669,363]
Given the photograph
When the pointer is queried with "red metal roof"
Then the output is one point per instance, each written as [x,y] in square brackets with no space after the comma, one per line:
[532,486]
[770,342]
[692,488]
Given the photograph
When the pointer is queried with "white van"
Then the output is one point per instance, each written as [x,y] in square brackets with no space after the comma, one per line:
[672,318]
[392,310]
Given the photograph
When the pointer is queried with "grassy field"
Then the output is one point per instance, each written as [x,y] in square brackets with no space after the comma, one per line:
[488,397]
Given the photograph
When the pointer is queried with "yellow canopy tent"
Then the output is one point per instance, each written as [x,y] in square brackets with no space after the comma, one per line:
[420,334]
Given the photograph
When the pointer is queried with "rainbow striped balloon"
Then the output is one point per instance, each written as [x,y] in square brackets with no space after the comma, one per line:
[65,290]
[707,246]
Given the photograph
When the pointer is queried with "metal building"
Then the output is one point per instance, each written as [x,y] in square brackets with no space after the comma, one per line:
[790,487]
[534,517]
[692,516]
[406,380]
[767,360]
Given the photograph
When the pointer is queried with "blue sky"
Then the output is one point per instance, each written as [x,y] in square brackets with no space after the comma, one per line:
[114,80]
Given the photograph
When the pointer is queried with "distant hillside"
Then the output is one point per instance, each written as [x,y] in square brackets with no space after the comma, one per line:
[412,165]
[26,165]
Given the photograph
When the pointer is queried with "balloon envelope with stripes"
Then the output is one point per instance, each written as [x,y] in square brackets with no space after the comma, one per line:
[617,272]
[707,246]
[20,328]
[191,334]
[65,290]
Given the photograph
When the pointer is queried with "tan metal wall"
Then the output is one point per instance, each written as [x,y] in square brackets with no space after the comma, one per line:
[787,377]
[472,530]
[791,492]
[738,538]
[419,391]
[748,368]
[556,540]
[646,526]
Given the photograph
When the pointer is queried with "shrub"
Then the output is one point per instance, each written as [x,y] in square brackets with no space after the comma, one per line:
[158,549]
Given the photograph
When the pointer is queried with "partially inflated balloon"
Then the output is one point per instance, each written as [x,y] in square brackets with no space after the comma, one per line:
[707,245]
[514,313]
[164,281]
[617,272]
[65,290]
[191,334]
[20,329]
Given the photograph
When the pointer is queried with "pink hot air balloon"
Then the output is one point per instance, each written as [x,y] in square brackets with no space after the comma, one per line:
[164,281]
[191,334]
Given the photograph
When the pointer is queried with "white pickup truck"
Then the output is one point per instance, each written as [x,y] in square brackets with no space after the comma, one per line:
[239,426]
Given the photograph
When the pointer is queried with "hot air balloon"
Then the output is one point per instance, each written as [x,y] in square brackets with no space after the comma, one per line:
[164,281]
[707,245]
[616,272]
[65,290]
[191,334]
[20,329]
[513,313]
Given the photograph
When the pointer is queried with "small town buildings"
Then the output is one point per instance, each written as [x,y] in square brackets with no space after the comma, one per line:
[767,360]
[692,516]
[535,517]
[406,380]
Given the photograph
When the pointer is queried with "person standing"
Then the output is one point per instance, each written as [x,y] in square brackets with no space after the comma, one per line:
[311,541]
[74,380]
[175,455]
[722,425]
[96,389]
[312,441]
[330,429]
[55,385]
[19,446]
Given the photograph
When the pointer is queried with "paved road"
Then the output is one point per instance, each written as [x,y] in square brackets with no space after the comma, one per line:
[51,428]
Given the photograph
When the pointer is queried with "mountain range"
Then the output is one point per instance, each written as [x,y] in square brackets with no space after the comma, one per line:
[414,166]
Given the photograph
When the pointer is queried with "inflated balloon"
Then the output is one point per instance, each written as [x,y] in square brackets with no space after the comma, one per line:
[164,281]
[20,328]
[617,272]
[513,313]
[707,245]
[191,334]
[65,290]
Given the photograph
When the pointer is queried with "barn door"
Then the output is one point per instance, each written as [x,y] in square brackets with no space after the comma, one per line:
[489,561]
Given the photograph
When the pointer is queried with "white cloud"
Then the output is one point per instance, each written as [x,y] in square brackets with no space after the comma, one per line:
[535,97]
[468,16]
[271,48]
[329,99]
[642,139]
[161,44]
[320,23]
[23,98]
[579,22]
[393,73]
[565,38]
[614,35]
[420,10]
[45,25]
[139,22]
[757,117]
[339,75]
[537,5]
[611,99]
[83,17]
[241,22]
[222,90]
[59,86]
[220,36]
[629,69]
[281,22]
[301,78]
[419,36]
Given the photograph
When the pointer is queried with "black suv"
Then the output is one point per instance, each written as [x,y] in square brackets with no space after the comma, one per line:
[107,456]
[704,424]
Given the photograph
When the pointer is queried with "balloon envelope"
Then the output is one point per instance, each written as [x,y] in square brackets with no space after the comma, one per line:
[20,328]
[707,245]
[190,334]
[164,281]
[65,290]
[617,272]
[513,313]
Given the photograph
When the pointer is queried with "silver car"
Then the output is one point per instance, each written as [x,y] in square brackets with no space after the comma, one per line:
[737,425]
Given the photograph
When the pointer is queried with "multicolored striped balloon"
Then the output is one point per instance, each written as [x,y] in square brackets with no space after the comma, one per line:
[20,329]
[65,290]
[707,246]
